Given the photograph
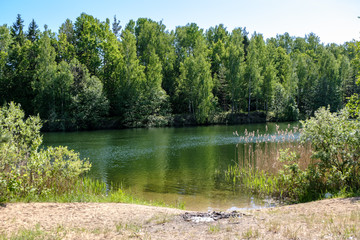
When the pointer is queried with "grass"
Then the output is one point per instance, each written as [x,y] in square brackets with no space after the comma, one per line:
[214,228]
[251,233]
[32,234]
[160,219]
[132,227]
[253,180]
[90,190]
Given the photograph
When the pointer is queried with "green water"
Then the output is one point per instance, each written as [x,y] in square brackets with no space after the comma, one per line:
[172,165]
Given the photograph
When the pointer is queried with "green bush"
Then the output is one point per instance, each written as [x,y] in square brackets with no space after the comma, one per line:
[27,170]
[335,166]
[335,141]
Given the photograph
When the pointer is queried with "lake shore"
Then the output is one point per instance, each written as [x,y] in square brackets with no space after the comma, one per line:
[171,120]
[325,219]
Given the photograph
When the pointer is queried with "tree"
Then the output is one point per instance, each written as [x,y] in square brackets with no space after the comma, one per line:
[19,69]
[236,67]
[131,78]
[33,32]
[217,40]
[255,67]
[67,28]
[152,38]
[88,102]
[64,49]
[5,42]
[45,101]
[195,82]
[89,34]
[116,27]
[17,31]
[328,86]
[307,74]
[286,42]
[269,84]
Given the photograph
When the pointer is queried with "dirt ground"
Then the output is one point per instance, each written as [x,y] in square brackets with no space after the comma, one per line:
[326,219]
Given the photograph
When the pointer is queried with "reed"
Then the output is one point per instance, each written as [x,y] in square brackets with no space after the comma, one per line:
[259,168]
[261,151]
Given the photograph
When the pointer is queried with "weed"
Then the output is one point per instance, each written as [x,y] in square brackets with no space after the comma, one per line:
[180,205]
[251,233]
[214,228]
[291,233]
[132,227]
[160,219]
[31,234]
[274,226]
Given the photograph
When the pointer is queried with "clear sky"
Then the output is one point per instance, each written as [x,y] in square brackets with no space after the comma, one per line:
[334,21]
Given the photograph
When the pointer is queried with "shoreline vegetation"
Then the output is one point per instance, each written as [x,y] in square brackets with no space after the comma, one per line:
[323,162]
[31,174]
[175,120]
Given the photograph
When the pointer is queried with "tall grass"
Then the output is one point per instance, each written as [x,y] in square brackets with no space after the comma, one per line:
[258,160]
[262,150]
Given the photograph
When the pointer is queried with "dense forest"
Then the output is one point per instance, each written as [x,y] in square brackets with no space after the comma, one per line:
[143,74]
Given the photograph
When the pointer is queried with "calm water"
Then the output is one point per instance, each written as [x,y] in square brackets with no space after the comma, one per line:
[166,164]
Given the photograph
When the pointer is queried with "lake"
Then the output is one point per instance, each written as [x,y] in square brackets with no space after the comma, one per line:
[171,165]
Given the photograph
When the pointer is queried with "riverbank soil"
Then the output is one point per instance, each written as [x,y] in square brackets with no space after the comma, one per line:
[326,219]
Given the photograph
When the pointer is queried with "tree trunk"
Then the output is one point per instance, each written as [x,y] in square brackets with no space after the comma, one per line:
[249,95]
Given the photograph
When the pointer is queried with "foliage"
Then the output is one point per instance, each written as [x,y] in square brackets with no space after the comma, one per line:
[143,72]
[292,180]
[27,170]
[336,147]
[88,103]
[325,161]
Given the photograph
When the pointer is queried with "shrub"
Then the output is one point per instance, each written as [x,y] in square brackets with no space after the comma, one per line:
[27,170]
[335,142]
[335,166]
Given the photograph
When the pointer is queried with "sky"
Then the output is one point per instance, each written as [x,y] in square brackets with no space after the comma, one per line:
[334,21]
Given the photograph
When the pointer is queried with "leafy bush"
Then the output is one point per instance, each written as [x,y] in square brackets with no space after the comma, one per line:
[335,142]
[27,170]
[335,168]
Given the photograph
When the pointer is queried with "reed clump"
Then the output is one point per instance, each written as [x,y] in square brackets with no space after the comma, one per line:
[261,150]
[320,160]
[261,161]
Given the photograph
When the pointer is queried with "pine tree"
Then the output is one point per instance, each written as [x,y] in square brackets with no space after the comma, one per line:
[17,31]
[33,32]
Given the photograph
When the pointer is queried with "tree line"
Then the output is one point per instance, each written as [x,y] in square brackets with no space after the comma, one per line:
[142,73]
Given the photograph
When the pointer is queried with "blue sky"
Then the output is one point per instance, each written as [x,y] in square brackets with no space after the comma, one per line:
[332,20]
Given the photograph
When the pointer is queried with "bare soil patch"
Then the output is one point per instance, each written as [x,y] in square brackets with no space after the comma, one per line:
[326,219]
